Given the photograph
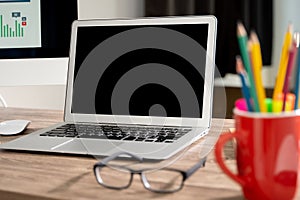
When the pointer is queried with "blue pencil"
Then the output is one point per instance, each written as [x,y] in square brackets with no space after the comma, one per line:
[245,90]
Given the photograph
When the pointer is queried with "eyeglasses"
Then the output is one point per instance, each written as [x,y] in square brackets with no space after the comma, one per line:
[165,180]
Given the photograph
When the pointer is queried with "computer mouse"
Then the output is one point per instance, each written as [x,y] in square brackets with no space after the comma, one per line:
[13,127]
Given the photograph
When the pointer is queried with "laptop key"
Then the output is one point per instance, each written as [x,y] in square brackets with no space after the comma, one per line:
[160,139]
[52,135]
[93,136]
[72,136]
[130,138]
[149,140]
[140,139]
[44,134]
[152,137]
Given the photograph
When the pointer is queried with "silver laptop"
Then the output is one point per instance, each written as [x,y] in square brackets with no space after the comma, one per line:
[142,86]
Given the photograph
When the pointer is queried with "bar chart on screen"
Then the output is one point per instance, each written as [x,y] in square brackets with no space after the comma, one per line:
[12,31]
[20,23]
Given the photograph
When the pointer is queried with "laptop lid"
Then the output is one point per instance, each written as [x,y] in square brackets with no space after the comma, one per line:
[156,71]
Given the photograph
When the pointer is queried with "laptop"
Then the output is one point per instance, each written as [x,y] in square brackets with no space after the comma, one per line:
[143,86]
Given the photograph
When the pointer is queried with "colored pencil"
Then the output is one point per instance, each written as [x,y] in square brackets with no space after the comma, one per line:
[283,62]
[245,90]
[255,56]
[242,40]
[287,79]
[297,87]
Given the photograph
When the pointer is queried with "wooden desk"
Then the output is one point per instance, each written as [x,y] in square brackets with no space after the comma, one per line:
[40,176]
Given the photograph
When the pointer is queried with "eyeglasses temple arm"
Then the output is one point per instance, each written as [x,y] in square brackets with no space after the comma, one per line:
[193,169]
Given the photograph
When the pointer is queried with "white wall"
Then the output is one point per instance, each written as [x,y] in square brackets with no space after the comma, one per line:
[89,9]
[34,96]
[286,12]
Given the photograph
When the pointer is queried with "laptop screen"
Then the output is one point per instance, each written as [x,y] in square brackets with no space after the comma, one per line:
[141,70]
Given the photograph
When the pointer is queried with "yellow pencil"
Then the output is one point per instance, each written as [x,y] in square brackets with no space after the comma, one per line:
[256,59]
[283,62]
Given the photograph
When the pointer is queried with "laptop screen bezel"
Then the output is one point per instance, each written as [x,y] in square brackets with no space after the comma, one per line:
[204,121]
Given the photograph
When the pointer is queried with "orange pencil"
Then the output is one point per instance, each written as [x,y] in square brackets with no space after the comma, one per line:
[283,62]
[256,60]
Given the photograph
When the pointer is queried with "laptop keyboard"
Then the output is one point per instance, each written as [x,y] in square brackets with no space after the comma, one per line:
[113,132]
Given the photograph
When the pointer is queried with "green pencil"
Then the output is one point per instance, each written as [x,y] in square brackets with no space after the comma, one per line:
[243,40]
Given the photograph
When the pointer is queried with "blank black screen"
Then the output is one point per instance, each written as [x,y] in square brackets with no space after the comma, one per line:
[150,74]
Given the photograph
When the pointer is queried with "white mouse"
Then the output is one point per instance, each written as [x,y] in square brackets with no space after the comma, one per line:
[13,127]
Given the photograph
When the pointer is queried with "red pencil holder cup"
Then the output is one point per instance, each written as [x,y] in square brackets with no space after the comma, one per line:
[267,154]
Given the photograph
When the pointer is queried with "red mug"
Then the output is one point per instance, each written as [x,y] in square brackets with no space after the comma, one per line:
[266,154]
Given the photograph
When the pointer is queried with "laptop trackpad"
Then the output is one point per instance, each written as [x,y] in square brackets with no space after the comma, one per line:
[85,147]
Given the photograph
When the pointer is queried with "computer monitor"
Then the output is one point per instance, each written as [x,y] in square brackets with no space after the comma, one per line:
[34,35]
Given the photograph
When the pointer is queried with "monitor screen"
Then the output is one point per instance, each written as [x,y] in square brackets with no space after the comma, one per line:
[36,28]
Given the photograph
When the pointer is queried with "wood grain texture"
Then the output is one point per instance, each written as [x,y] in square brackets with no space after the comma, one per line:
[25,175]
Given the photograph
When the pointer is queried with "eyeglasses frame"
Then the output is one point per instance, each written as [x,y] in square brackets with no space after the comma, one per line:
[103,163]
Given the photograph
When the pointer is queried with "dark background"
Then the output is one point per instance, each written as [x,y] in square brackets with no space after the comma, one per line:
[255,14]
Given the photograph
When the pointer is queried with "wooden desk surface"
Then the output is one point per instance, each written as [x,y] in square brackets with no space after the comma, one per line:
[40,176]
